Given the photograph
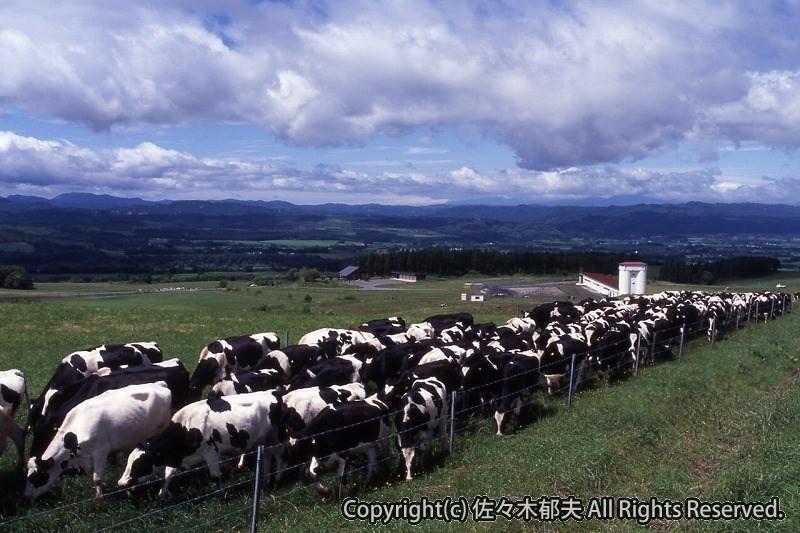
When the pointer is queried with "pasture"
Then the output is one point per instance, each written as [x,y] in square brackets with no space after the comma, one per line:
[723,424]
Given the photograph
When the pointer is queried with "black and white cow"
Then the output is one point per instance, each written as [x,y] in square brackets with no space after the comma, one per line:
[81,364]
[338,370]
[482,381]
[381,327]
[232,354]
[292,359]
[114,421]
[336,342]
[247,381]
[423,412]
[302,405]
[358,427]
[12,390]
[171,372]
[204,430]
[556,360]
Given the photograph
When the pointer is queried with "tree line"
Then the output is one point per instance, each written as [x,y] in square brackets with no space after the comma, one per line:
[707,273]
[459,262]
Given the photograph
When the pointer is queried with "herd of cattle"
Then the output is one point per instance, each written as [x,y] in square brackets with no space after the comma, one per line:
[338,391]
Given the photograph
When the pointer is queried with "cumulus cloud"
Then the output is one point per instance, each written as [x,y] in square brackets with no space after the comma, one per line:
[48,167]
[562,83]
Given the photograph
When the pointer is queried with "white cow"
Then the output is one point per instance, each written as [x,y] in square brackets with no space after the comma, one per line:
[115,420]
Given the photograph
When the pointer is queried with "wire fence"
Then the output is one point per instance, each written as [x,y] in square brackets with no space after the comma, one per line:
[467,412]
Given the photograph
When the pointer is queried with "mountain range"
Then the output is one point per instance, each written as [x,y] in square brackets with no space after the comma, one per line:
[624,220]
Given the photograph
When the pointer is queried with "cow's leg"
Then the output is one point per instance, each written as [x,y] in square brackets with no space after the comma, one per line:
[168,473]
[516,409]
[498,418]
[342,473]
[313,470]
[408,457]
[18,438]
[372,460]
[99,456]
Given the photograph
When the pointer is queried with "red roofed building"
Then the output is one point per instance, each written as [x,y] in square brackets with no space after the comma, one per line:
[632,280]
[599,283]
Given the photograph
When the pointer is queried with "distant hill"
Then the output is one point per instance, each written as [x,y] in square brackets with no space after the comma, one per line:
[691,218]
[101,234]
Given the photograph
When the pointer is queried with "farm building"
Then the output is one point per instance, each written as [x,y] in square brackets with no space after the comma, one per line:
[408,276]
[632,280]
[350,273]
[601,283]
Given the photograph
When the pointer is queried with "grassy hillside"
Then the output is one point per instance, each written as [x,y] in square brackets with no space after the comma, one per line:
[723,424]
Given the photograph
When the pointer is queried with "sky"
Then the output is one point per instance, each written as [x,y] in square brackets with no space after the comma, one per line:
[399,102]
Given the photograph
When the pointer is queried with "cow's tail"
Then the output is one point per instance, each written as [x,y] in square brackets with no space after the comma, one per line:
[26,427]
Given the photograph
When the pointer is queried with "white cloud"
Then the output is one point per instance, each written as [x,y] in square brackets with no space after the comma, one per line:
[564,84]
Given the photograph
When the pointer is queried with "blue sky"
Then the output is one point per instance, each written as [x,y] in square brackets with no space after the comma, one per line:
[402,102]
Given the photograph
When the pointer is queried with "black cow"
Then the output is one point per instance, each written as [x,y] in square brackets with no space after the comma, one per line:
[520,377]
[446,371]
[172,372]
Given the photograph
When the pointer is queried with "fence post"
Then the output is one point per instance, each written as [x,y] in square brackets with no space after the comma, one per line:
[738,314]
[638,348]
[452,419]
[757,312]
[653,345]
[713,331]
[680,347]
[571,380]
[772,310]
[257,490]
[286,338]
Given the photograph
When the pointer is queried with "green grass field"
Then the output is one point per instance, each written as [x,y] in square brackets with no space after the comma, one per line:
[723,424]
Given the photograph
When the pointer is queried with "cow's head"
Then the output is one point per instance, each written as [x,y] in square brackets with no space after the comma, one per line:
[139,467]
[43,473]
[209,369]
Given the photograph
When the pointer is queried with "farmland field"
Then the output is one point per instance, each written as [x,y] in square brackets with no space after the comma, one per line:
[723,424]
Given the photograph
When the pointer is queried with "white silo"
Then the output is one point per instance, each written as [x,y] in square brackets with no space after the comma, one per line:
[632,277]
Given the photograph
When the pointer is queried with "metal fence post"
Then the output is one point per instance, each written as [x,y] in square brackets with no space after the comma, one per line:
[738,314]
[452,419]
[713,331]
[680,347]
[286,338]
[757,302]
[257,490]
[653,345]
[571,380]
[638,352]
[772,310]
